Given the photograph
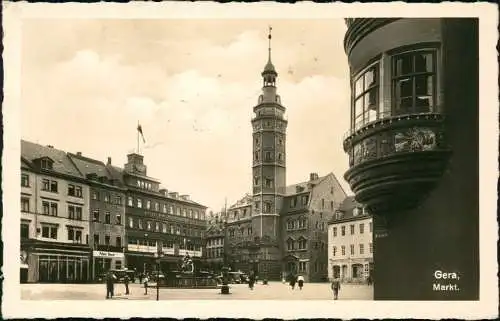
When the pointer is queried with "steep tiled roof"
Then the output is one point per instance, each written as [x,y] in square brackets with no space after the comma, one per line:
[292,189]
[88,166]
[62,164]
[347,209]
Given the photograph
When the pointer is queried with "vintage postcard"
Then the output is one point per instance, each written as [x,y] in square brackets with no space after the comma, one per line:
[258,160]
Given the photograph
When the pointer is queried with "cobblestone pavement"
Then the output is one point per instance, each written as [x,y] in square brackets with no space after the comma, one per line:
[272,291]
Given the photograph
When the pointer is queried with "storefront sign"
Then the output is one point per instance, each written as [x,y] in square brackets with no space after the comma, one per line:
[108,254]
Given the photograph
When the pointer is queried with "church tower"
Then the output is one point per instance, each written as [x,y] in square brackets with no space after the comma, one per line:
[269,165]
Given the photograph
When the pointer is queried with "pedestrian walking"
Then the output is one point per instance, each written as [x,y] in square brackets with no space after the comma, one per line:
[110,284]
[293,279]
[251,280]
[335,288]
[300,281]
[126,280]
[146,279]
[369,280]
[140,278]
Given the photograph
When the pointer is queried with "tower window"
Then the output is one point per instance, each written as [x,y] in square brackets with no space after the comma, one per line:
[268,156]
[280,156]
[366,97]
[267,207]
[256,180]
[414,81]
[257,155]
[269,182]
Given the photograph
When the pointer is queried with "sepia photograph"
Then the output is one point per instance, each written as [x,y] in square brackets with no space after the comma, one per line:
[239,159]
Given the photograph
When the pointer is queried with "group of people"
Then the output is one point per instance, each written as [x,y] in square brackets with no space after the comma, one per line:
[296,279]
[299,280]
[110,284]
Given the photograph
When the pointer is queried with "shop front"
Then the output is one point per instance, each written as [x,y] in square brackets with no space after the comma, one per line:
[102,261]
[48,262]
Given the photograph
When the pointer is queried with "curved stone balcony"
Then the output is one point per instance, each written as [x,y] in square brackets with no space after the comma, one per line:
[394,162]
[358,28]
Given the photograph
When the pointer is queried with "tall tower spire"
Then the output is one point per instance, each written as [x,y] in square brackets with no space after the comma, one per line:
[268,168]
[269,74]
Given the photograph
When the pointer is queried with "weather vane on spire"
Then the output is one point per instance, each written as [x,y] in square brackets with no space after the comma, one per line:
[269,37]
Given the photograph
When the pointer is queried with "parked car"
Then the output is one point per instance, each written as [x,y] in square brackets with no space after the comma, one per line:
[120,275]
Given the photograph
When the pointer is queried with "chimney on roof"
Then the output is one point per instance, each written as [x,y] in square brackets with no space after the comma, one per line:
[50,146]
[109,161]
[77,153]
[164,191]
[185,197]
[313,176]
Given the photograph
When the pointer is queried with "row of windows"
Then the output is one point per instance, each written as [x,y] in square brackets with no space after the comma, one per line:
[106,197]
[352,229]
[144,185]
[163,227]
[268,207]
[300,244]
[300,223]
[215,253]
[240,231]
[237,212]
[279,140]
[107,240]
[185,245]
[268,156]
[168,209]
[268,182]
[96,217]
[413,88]
[50,231]
[352,248]
[215,242]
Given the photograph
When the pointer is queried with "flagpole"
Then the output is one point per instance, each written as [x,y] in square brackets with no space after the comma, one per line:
[138,137]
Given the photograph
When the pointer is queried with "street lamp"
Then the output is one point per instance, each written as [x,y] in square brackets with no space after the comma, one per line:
[225,287]
[145,255]
[158,256]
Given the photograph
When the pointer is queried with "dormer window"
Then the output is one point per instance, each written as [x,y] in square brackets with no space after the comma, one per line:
[46,163]
[356,211]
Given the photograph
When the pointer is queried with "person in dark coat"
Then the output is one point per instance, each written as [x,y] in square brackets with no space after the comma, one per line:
[110,285]
[293,279]
[335,288]
[251,280]
[126,281]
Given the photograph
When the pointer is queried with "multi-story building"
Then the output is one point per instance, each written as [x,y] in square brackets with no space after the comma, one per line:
[107,214]
[350,242]
[54,217]
[413,150]
[280,229]
[159,221]
[308,206]
[214,243]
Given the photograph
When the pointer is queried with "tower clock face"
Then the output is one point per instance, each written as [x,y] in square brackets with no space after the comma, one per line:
[140,168]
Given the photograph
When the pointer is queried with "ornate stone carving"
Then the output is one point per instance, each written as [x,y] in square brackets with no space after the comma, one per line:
[395,164]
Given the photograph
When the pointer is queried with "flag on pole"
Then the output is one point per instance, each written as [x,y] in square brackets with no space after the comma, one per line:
[139,129]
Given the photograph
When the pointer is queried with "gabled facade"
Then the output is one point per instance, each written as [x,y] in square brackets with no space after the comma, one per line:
[106,216]
[54,217]
[214,243]
[350,242]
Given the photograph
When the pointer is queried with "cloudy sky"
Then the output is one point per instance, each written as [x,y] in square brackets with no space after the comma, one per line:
[192,85]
